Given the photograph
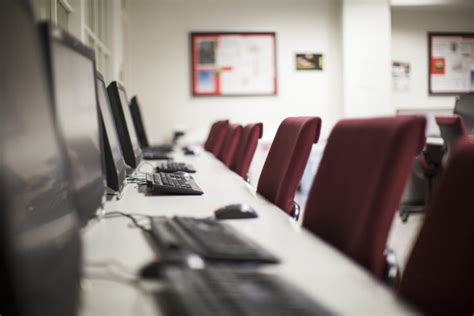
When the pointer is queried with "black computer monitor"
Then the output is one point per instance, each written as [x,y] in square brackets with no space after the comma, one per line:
[465,108]
[115,168]
[131,149]
[40,248]
[72,71]
[138,122]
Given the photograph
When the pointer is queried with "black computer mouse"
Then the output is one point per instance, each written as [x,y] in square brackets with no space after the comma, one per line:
[235,211]
[189,152]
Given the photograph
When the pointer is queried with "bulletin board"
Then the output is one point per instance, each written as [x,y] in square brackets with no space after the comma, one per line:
[451,63]
[233,64]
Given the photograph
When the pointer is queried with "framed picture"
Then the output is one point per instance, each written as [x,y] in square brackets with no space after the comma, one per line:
[233,64]
[309,61]
[451,63]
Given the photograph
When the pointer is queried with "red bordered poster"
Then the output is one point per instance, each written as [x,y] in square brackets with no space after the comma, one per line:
[451,63]
[233,64]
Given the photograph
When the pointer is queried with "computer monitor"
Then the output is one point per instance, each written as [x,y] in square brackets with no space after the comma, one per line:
[131,149]
[115,168]
[72,71]
[465,108]
[40,248]
[138,122]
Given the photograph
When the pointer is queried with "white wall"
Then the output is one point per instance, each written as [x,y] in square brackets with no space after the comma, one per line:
[366,45]
[158,62]
[410,26]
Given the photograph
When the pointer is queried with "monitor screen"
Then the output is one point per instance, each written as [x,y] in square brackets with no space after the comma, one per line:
[138,122]
[74,86]
[117,162]
[39,232]
[465,108]
[129,119]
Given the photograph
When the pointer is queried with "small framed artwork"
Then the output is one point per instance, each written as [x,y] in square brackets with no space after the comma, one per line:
[309,61]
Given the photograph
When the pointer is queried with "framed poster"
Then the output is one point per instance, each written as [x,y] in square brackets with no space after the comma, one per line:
[451,63]
[233,64]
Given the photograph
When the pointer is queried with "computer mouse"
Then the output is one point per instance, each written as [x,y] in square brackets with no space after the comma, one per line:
[235,211]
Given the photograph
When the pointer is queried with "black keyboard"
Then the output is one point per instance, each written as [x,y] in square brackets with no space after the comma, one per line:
[171,166]
[153,154]
[171,183]
[208,238]
[226,292]
[165,148]
[149,155]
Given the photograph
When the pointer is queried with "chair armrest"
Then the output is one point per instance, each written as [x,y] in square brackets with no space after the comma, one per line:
[391,274]
[295,211]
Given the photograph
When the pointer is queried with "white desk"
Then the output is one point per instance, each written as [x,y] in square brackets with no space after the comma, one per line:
[333,280]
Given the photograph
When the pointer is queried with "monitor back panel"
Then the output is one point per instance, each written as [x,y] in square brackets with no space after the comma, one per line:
[115,167]
[40,258]
[138,122]
[123,119]
[72,73]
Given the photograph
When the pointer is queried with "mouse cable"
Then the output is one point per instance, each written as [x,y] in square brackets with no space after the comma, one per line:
[132,217]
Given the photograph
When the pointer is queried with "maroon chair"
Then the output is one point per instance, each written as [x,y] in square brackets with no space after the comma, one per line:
[452,129]
[359,183]
[229,146]
[251,133]
[439,274]
[216,137]
[287,160]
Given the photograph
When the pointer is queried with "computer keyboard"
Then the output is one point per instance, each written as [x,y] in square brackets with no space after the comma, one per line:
[171,183]
[208,238]
[151,154]
[165,148]
[229,292]
[171,166]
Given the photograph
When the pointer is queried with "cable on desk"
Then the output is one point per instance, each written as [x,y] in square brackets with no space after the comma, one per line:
[112,265]
[135,282]
[137,180]
[129,216]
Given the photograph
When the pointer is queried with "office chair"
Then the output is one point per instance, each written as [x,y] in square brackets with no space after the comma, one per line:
[428,165]
[251,133]
[287,160]
[216,137]
[439,274]
[229,146]
[359,183]
[452,129]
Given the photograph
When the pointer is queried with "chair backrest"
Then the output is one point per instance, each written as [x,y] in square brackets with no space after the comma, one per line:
[439,274]
[464,107]
[229,146]
[452,129]
[359,183]
[216,136]
[287,160]
[251,133]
